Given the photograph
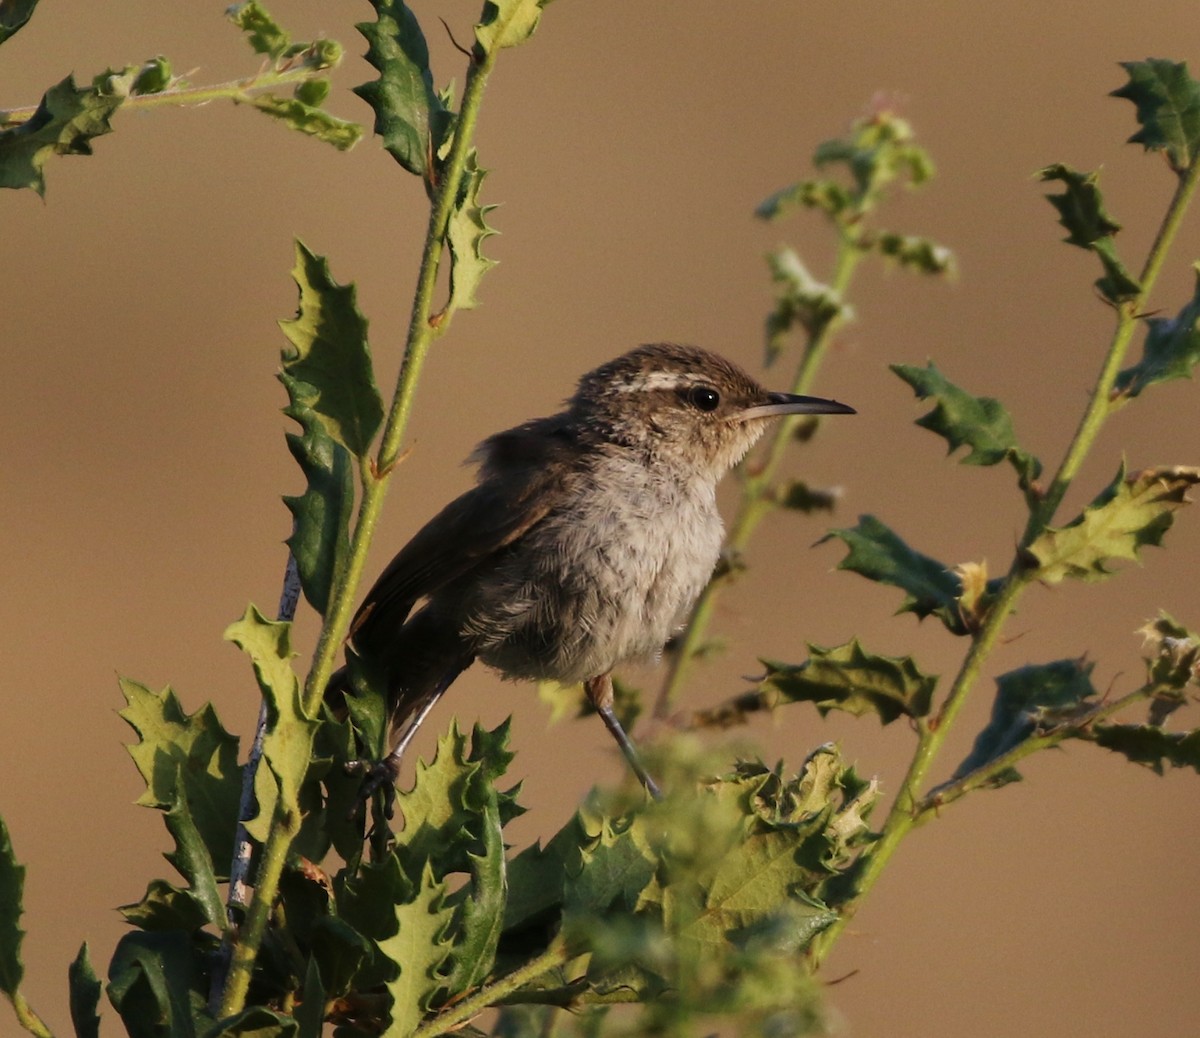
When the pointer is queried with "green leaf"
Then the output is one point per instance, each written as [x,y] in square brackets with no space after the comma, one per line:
[1126,516]
[1081,211]
[1168,108]
[419,949]
[1028,699]
[829,197]
[186,758]
[800,299]
[366,901]
[849,678]
[310,1015]
[877,553]
[164,907]
[12,888]
[1171,349]
[320,540]
[66,121]
[409,115]
[1149,745]
[1173,654]
[980,424]
[481,916]
[912,252]
[156,986]
[264,33]
[256,1022]
[309,120]
[287,747]
[331,354]
[84,995]
[507,23]
[465,234]
[13,16]
[153,77]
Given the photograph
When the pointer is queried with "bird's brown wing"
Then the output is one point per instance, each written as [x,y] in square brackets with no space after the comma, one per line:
[521,481]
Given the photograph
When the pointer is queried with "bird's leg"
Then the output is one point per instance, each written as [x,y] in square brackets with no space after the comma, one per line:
[600,693]
[386,773]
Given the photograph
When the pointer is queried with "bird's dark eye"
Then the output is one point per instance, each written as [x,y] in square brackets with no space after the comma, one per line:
[703,398]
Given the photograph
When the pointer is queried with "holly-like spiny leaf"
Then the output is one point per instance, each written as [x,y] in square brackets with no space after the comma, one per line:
[158,984]
[1081,211]
[1026,699]
[466,232]
[1171,349]
[981,424]
[331,354]
[320,541]
[849,678]
[1149,745]
[310,120]
[1127,515]
[507,23]
[409,115]
[194,750]
[877,553]
[1167,99]
[13,16]
[12,891]
[67,120]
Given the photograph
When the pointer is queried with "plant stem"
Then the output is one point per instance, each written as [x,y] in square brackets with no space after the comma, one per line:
[755,502]
[29,1019]
[459,1013]
[423,329]
[908,807]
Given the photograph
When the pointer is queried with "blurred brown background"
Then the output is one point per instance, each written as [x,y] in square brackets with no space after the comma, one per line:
[143,456]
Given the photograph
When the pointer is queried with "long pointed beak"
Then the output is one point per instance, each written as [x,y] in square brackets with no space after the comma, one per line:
[789,403]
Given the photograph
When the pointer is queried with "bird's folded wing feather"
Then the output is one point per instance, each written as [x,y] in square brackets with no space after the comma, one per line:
[518,486]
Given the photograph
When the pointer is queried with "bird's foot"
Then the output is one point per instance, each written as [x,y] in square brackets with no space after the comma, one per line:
[377,775]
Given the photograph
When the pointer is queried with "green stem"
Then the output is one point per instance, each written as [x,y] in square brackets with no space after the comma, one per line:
[423,329]
[907,808]
[29,1019]
[755,502]
[458,1014]
[175,97]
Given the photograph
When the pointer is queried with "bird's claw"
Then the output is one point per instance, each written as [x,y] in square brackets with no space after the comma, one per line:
[377,775]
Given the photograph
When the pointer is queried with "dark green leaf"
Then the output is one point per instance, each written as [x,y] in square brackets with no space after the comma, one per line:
[1173,654]
[192,859]
[310,120]
[366,900]
[340,952]
[912,252]
[980,424]
[830,198]
[165,906]
[12,892]
[507,23]
[877,553]
[1168,108]
[264,33]
[466,232]
[1027,699]
[256,1022]
[331,354]
[84,995]
[193,749]
[481,915]
[849,678]
[13,16]
[409,115]
[65,123]
[1171,349]
[320,540]
[1125,517]
[153,77]
[800,299]
[310,1015]
[798,496]
[1081,211]
[157,987]
[1149,745]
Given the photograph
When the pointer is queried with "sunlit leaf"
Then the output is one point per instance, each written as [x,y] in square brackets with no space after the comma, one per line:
[1168,108]
[1129,514]
[507,23]
[264,34]
[1171,349]
[466,232]
[65,123]
[309,120]
[331,354]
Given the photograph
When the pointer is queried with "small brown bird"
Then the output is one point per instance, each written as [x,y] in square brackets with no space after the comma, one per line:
[584,544]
